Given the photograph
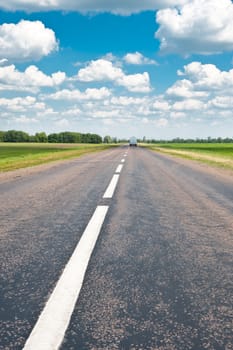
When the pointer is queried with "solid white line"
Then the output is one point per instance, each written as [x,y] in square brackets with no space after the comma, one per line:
[122,160]
[50,328]
[111,188]
[119,168]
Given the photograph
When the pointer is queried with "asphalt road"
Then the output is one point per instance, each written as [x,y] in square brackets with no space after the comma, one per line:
[160,276]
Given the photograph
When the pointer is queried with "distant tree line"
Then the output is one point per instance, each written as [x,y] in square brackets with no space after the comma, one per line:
[189,140]
[62,137]
[77,137]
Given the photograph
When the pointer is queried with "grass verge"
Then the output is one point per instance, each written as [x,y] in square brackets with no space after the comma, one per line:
[22,155]
[217,154]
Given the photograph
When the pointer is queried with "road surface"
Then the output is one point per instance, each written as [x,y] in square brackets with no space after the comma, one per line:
[160,275]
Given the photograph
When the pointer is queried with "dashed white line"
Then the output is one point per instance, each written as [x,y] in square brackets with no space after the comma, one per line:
[50,328]
[111,188]
[119,168]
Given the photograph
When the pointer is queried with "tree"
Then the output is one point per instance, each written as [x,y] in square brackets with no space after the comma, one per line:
[107,139]
[16,136]
[53,138]
[2,136]
[41,137]
[74,137]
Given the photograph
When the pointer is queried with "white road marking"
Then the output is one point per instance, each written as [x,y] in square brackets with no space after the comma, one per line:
[111,188]
[50,328]
[122,160]
[119,168]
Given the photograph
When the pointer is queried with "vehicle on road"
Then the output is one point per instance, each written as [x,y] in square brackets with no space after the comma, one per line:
[133,141]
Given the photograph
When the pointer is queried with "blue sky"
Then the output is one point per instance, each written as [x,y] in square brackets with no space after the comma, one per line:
[162,69]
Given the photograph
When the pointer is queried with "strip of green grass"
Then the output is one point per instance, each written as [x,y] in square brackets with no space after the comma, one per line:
[218,154]
[21,155]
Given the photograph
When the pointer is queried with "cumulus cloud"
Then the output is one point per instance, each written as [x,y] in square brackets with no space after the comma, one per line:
[76,95]
[184,89]
[122,7]
[201,94]
[23,119]
[221,102]
[26,40]
[162,106]
[197,27]
[138,59]
[104,70]
[127,101]
[188,105]
[100,70]
[204,93]
[207,77]
[32,77]
[21,104]
[135,82]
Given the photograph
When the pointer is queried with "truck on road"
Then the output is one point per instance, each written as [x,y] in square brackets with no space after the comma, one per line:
[133,141]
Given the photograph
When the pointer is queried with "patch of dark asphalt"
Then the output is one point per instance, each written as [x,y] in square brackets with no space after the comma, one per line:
[42,218]
[161,275]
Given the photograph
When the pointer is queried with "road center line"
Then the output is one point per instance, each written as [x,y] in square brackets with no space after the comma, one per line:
[119,168]
[111,187]
[50,328]
[122,160]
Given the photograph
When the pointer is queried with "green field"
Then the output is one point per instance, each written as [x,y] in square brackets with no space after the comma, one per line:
[218,154]
[21,155]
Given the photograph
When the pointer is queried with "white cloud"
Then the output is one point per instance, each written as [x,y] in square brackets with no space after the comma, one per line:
[48,112]
[188,105]
[187,100]
[113,58]
[123,7]
[104,70]
[138,59]
[177,115]
[127,101]
[72,112]
[32,77]
[58,78]
[202,94]
[206,92]
[75,95]
[222,102]
[26,41]
[199,26]
[207,77]
[184,89]
[100,70]
[161,106]
[106,114]
[23,119]
[21,104]
[135,82]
